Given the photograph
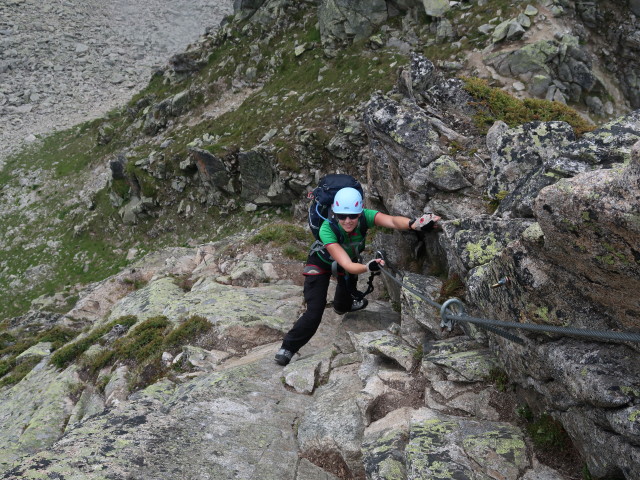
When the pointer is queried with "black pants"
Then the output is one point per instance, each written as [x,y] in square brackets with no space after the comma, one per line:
[315,296]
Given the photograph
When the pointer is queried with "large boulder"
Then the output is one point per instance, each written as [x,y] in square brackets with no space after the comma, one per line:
[260,183]
[343,21]
[517,153]
[528,158]
[593,219]
[333,425]
[212,169]
[415,444]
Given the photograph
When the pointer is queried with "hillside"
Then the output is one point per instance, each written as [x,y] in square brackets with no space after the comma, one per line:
[152,255]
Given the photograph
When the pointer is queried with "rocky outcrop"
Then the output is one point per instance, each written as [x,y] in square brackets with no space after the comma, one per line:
[342,21]
[556,70]
[585,214]
[616,34]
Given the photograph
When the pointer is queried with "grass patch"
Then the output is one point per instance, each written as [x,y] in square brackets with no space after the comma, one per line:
[293,240]
[11,347]
[280,234]
[190,330]
[495,104]
[67,354]
[295,252]
[143,346]
[14,372]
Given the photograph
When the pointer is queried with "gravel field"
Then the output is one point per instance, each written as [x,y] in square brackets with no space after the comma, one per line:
[67,61]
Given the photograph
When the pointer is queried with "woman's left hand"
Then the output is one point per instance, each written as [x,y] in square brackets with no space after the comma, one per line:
[425,223]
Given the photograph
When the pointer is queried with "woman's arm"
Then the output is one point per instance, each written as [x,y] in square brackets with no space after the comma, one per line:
[395,222]
[403,223]
[339,255]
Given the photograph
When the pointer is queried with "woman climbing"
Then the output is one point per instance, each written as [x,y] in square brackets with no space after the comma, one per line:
[342,238]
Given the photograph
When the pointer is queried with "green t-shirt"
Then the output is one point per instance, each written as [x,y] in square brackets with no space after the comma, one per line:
[353,239]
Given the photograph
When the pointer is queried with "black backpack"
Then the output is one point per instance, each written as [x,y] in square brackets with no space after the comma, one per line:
[322,197]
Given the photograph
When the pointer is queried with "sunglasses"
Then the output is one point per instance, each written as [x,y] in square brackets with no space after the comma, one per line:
[350,216]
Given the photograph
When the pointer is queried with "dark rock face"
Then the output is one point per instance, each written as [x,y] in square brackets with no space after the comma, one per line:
[593,219]
[405,144]
[211,168]
[609,22]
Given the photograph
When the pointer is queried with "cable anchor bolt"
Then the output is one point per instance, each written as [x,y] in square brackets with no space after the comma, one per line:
[503,282]
[446,309]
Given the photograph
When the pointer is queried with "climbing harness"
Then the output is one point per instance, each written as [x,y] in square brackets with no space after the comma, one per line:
[453,311]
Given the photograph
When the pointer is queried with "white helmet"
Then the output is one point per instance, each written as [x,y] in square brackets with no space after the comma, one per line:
[347,200]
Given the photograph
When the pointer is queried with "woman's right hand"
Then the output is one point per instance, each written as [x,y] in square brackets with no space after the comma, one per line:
[374,265]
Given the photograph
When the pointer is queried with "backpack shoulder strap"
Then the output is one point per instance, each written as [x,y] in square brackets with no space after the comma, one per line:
[363,226]
[336,230]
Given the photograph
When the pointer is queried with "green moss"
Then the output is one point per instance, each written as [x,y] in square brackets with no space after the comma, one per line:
[494,202]
[495,104]
[505,441]
[148,184]
[392,469]
[635,392]
[548,434]
[499,378]
[543,313]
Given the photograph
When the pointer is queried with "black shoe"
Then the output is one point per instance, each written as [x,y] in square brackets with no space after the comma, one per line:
[355,305]
[283,357]
[359,304]
[338,311]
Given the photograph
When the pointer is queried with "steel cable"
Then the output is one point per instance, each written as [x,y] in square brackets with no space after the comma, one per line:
[493,324]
